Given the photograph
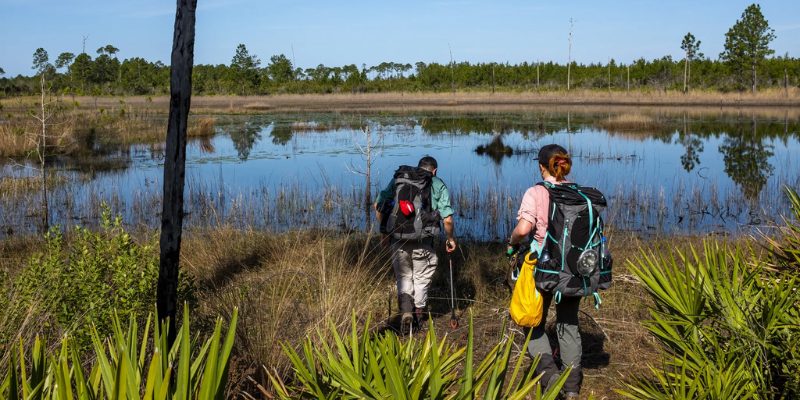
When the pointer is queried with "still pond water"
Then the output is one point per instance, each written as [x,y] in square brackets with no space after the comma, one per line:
[681,174]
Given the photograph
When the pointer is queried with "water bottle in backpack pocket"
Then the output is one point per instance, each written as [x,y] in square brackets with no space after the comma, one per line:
[546,273]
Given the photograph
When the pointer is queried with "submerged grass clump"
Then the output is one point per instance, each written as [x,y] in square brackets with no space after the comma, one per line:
[74,131]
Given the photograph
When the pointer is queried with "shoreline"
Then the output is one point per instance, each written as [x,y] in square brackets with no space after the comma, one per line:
[770,99]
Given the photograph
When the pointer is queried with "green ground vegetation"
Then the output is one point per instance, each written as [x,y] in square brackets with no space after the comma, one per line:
[726,319]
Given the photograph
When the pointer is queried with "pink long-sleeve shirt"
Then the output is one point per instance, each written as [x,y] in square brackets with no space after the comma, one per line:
[534,207]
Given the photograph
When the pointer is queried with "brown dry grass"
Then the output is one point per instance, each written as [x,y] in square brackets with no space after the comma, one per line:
[460,100]
[13,141]
[20,186]
[287,285]
[201,127]
[75,129]
[628,121]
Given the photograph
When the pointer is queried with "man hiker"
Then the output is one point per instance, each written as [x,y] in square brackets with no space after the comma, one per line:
[409,211]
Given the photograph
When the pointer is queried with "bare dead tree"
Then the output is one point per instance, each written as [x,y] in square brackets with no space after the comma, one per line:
[452,70]
[182,61]
[367,150]
[43,118]
[42,138]
[569,57]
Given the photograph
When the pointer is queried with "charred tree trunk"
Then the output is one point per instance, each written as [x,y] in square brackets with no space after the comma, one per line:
[182,61]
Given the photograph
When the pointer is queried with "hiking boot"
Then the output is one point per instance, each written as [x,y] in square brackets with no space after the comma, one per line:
[406,323]
[550,381]
[419,315]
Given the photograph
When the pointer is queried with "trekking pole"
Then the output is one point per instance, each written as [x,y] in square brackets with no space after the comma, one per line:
[453,318]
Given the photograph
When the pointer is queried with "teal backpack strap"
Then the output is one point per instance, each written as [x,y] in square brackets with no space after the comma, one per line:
[558,296]
[537,248]
[597,300]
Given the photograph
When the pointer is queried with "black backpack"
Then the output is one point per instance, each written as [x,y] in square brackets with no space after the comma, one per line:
[574,260]
[412,216]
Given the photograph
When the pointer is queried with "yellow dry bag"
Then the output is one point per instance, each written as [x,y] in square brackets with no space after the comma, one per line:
[526,301]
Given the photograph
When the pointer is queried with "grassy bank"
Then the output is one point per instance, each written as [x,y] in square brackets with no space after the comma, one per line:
[421,100]
[287,285]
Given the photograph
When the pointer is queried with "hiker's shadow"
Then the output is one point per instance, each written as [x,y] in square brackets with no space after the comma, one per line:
[441,298]
[593,341]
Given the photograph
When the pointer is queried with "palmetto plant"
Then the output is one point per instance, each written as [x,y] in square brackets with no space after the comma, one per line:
[382,366]
[125,367]
[726,318]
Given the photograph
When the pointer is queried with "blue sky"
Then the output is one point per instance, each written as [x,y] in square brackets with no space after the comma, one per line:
[369,32]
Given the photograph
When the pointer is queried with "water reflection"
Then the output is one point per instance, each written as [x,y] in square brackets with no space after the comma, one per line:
[281,134]
[496,150]
[746,158]
[649,167]
[693,146]
[245,136]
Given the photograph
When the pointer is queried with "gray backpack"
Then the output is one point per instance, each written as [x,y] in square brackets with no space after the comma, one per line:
[574,260]
[412,216]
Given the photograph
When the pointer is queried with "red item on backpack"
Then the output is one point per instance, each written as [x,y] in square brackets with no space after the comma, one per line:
[406,207]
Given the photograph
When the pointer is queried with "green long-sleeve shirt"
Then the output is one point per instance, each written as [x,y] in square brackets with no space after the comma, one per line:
[440,196]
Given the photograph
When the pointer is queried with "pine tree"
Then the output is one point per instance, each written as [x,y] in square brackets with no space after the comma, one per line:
[747,42]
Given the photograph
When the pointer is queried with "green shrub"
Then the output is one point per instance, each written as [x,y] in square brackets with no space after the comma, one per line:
[380,366]
[71,282]
[727,320]
[123,367]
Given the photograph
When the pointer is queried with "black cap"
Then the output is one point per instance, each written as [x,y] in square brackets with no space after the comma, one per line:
[428,162]
[547,152]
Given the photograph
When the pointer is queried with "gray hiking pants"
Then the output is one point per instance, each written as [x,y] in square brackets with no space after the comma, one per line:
[414,264]
[569,343]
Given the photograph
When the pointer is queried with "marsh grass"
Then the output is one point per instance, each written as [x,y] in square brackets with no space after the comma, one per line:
[79,131]
[629,122]
[485,211]
[20,185]
[461,101]
[286,285]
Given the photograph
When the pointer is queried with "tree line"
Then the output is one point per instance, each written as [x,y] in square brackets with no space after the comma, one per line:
[745,64]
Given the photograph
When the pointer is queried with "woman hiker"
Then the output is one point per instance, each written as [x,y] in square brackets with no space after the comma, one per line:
[554,166]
